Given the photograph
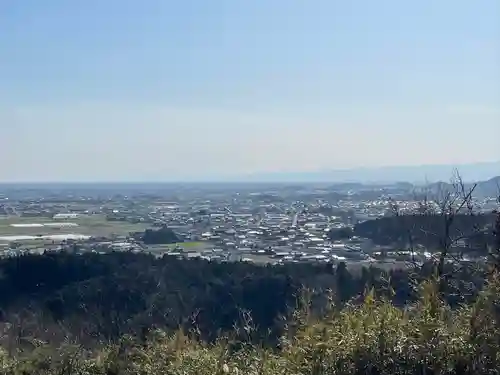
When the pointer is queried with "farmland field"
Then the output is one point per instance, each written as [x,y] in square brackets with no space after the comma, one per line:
[94,225]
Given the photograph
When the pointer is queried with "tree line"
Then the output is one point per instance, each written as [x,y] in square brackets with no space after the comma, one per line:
[100,297]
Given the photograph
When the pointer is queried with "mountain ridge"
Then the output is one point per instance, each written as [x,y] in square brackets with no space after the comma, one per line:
[417,174]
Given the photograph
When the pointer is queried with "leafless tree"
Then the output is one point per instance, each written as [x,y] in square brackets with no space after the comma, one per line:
[494,253]
[451,203]
[445,205]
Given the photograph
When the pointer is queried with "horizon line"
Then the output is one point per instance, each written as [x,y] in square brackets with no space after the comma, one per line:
[255,176]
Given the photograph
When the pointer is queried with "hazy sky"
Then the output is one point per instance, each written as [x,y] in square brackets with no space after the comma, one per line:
[164,89]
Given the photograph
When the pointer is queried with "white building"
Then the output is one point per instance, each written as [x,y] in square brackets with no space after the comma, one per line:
[65,216]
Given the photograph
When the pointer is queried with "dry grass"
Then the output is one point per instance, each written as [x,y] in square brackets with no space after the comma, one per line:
[372,338]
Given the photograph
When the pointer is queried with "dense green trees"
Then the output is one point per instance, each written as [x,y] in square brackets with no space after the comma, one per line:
[106,296]
[161,236]
[370,335]
[93,297]
[475,230]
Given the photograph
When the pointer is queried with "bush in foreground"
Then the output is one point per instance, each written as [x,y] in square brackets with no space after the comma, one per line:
[374,337]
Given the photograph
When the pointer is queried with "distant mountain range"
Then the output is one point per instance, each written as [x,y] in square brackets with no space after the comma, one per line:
[487,188]
[420,174]
[415,175]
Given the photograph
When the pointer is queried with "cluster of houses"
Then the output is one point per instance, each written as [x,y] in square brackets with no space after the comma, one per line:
[262,228]
[271,238]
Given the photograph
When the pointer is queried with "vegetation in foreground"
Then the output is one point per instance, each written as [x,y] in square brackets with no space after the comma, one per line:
[373,337]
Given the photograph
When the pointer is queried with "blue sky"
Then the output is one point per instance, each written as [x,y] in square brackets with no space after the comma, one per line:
[160,89]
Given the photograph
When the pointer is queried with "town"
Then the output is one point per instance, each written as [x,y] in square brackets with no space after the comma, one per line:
[259,223]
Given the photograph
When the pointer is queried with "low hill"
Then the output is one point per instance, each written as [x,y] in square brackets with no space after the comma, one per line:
[486,188]
[160,236]
[490,188]
[427,230]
